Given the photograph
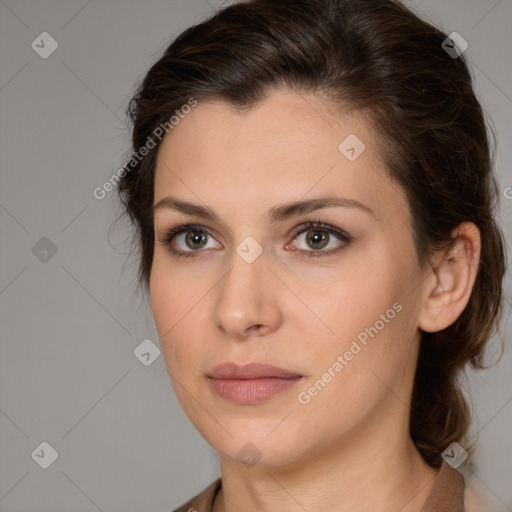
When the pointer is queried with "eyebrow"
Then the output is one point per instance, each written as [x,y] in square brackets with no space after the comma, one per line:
[276,214]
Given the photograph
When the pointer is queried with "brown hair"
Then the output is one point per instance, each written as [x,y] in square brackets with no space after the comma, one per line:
[380,59]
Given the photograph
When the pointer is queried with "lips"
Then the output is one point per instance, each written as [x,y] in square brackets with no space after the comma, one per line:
[250,371]
[252,383]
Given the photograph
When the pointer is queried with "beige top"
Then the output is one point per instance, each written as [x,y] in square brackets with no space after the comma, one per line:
[447,494]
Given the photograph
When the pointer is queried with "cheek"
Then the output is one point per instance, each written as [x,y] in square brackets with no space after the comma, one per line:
[356,298]
[173,303]
[350,377]
[369,315]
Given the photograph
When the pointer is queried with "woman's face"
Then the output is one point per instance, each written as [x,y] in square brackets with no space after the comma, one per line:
[254,284]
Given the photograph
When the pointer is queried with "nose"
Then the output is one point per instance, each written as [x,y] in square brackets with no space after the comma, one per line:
[247,301]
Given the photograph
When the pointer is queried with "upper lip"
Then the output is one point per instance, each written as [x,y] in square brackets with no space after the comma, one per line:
[250,371]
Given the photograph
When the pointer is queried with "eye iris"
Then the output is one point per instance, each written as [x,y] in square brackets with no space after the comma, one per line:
[195,237]
[317,238]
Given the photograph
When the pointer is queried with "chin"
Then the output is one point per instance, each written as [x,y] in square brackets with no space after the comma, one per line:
[256,443]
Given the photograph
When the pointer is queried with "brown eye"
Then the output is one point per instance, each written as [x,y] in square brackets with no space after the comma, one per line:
[189,240]
[195,239]
[318,237]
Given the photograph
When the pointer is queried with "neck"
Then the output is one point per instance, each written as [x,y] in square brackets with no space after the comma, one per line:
[376,467]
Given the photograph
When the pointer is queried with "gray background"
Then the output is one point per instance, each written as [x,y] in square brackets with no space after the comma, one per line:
[70,321]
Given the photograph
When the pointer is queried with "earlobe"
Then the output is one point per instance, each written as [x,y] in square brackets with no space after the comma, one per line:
[448,290]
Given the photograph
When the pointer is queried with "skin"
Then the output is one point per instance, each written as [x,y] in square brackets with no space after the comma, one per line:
[348,448]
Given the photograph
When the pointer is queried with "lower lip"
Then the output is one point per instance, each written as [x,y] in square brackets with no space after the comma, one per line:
[251,391]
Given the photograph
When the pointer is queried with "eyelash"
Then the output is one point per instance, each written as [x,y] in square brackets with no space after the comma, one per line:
[308,226]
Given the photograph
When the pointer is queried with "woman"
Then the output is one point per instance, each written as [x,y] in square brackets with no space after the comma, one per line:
[313,196]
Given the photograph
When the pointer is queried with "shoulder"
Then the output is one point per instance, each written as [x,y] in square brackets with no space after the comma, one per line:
[203,501]
[478,498]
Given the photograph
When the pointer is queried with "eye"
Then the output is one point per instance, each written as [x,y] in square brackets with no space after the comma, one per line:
[189,238]
[318,237]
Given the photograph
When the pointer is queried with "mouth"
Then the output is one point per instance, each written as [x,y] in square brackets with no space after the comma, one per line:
[251,384]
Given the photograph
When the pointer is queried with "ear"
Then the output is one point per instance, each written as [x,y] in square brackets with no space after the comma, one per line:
[450,282]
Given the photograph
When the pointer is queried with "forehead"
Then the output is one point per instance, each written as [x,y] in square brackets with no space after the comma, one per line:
[287,146]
